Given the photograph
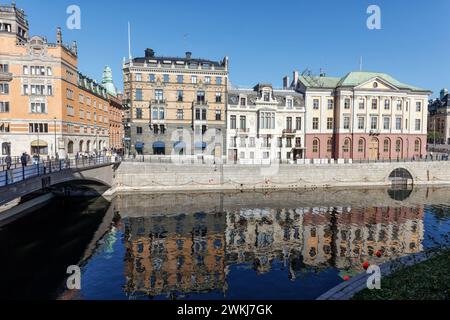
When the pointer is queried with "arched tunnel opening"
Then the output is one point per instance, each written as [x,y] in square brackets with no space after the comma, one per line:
[401,177]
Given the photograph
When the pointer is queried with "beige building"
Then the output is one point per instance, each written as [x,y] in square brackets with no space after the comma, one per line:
[177,105]
[439,119]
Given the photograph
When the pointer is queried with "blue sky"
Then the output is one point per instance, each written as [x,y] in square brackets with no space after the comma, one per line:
[264,40]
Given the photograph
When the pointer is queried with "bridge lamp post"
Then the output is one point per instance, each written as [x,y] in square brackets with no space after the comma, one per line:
[54,122]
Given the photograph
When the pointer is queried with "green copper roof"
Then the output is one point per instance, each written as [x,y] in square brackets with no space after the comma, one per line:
[354,79]
[107,81]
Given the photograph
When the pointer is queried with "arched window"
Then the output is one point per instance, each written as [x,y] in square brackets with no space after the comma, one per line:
[417,145]
[398,145]
[81,146]
[329,145]
[70,147]
[346,146]
[361,145]
[315,146]
[88,146]
[387,145]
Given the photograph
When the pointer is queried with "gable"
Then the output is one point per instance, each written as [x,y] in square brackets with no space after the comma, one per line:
[377,84]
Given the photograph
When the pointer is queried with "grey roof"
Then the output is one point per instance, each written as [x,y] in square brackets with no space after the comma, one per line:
[252,94]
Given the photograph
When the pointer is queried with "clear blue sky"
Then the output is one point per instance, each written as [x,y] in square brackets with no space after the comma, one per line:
[265,40]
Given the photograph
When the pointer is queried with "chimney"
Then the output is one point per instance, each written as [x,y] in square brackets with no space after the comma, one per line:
[286,84]
[149,53]
[188,55]
[444,92]
[58,36]
[295,79]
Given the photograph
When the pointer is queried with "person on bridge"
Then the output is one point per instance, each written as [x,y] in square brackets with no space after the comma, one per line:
[8,161]
[24,159]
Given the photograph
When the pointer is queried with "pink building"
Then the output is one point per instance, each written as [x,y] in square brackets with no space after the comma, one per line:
[363,116]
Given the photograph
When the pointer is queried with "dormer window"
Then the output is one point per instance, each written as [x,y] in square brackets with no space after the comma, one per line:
[266,96]
[289,103]
[243,102]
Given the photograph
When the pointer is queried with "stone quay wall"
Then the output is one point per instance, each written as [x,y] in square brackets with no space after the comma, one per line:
[164,177]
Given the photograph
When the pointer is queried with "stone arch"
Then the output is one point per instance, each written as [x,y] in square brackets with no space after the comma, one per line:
[401,176]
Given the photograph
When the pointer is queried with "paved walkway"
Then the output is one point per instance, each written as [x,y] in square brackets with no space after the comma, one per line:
[348,289]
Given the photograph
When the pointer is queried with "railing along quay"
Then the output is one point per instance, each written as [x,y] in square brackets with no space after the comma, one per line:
[18,173]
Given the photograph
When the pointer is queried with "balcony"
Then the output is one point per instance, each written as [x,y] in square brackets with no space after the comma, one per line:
[158,102]
[6,76]
[200,103]
[243,131]
[289,132]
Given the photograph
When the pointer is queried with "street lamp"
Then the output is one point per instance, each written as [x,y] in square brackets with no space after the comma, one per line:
[54,121]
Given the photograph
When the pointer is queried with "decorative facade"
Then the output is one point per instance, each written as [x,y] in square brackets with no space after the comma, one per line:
[47,107]
[265,124]
[439,119]
[177,105]
[363,116]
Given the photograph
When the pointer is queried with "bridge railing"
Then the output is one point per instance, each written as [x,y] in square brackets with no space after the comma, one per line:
[17,173]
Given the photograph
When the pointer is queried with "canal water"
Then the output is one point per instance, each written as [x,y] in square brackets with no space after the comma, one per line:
[250,245]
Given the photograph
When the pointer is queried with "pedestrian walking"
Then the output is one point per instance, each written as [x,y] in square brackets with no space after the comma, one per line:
[8,161]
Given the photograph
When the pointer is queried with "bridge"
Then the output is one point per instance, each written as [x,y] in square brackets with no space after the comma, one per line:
[20,181]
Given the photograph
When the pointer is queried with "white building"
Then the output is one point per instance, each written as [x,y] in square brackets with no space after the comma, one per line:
[265,124]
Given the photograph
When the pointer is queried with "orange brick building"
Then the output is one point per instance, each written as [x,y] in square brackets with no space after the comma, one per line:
[47,106]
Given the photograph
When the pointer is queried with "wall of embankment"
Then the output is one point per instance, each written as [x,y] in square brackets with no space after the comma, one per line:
[153,177]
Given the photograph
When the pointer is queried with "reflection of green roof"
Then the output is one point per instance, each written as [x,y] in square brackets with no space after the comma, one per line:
[354,79]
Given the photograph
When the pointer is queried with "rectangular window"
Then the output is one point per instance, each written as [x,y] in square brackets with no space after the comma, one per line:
[243,122]
[386,123]
[180,79]
[4,127]
[387,104]
[289,103]
[418,126]
[374,104]
[330,104]
[180,114]
[289,123]
[159,95]
[399,105]
[316,104]
[38,127]
[243,102]
[298,123]
[194,79]
[208,80]
[346,122]
[138,130]
[418,106]
[315,124]
[180,95]
[49,90]
[218,97]
[329,123]
[233,122]
[5,67]
[166,78]
[4,107]
[138,77]
[138,94]
[219,80]
[361,104]
[361,123]
[152,78]
[201,96]
[4,88]
[38,107]
[26,90]
[374,123]
[70,111]
[218,115]
[398,123]
[347,103]
[138,113]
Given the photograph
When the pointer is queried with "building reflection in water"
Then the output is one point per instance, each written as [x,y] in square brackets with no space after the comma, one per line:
[192,253]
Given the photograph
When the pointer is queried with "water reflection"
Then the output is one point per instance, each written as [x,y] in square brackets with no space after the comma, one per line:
[179,245]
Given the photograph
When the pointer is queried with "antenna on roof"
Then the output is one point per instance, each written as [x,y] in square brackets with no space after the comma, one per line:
[129,41]
[360,63]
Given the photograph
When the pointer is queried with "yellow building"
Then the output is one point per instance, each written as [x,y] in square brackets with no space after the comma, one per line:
[47,106]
